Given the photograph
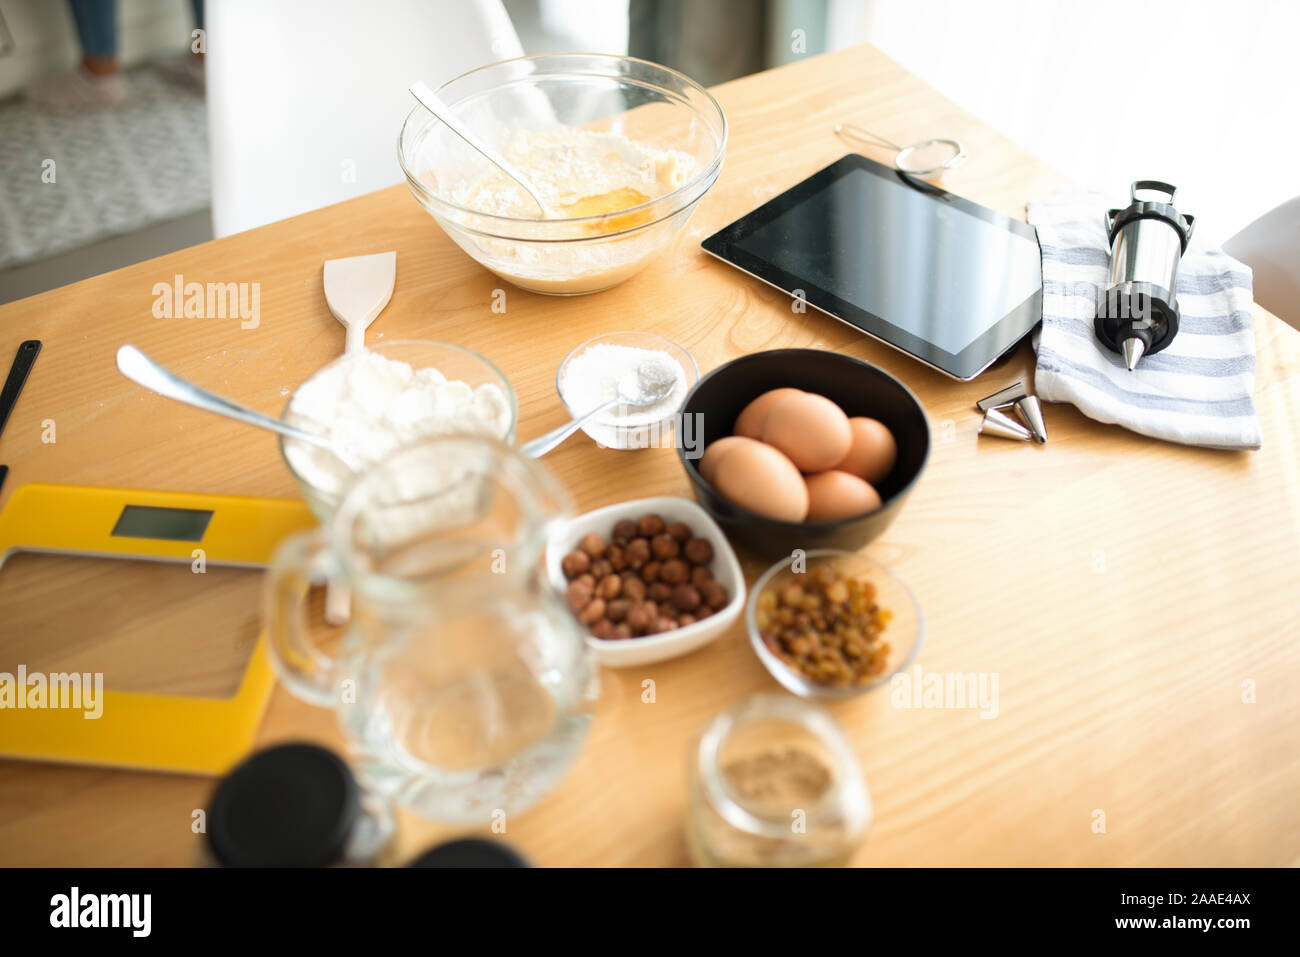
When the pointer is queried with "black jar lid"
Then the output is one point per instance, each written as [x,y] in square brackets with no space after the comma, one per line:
[470,852]
[293,805]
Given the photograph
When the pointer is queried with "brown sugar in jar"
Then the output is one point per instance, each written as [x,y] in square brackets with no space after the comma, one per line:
[775,783]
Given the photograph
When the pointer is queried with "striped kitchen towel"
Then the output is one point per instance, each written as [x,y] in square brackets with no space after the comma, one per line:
[1197,391]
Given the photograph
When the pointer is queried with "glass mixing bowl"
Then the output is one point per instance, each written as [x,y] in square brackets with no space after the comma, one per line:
[648,104]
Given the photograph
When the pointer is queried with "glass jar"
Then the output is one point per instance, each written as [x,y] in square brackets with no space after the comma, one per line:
[775,783]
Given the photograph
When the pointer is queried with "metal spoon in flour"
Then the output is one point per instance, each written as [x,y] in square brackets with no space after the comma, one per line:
[634,392]
[430,100]
[142,370]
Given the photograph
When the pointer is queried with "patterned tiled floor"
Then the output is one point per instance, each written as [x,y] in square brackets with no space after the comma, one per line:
[113,172]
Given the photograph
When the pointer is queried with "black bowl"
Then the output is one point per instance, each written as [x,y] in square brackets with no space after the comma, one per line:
[857,387]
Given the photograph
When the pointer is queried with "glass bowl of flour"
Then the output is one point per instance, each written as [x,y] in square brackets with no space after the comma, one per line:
[590,374]
[622,151]
[373,402]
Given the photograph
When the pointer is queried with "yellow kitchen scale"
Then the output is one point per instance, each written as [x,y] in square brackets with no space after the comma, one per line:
[152,601]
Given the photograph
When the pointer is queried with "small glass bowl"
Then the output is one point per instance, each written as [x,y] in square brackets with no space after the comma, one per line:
[904,633]
[453,361]
[633,431]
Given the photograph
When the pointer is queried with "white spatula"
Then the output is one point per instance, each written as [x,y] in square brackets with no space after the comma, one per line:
[357,289]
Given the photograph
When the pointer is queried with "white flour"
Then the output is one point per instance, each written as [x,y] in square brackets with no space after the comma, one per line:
[369,405]
[592,377]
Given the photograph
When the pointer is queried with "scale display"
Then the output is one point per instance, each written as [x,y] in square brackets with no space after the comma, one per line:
[145,604]
[171,524]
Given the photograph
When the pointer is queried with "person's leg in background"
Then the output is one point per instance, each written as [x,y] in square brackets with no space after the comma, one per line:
[96,22]
[96,83]
[187,70]
[198,44]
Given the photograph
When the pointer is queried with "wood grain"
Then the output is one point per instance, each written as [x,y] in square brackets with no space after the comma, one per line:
[1123,590]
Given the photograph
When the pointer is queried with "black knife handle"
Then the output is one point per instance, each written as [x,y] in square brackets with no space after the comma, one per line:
[18,373]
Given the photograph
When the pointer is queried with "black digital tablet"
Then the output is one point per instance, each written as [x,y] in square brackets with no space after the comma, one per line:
[943,279]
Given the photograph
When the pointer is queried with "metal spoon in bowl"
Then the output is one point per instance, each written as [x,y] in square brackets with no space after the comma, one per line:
[139,368]
[430,100]
[634,392]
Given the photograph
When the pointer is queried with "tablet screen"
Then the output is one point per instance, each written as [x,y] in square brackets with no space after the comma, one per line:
[949,281]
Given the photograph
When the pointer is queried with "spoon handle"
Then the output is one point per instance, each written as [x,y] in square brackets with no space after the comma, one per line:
[851,131]
[536,448]
[430,100]
[139,368]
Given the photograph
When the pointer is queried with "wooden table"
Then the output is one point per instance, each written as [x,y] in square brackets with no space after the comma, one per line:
[1124,590]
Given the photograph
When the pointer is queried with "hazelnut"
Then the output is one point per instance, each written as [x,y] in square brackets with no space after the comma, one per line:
[621,631]
[659,592]
[603,629]
[578,594]
[663,624]
[701,576]
[684,620]
[664,547]
[588,580]
[593,612]
[674,571]
[614,555]
[592,544]
[650,525]
[680,531]
[637,552]
[650,572]
[575,563]
[617,609]
[639,618]
[624,531]
[686,598]
[704,611]
[699,551]
[601,568]
[714,595]
[634,589]
[610,586]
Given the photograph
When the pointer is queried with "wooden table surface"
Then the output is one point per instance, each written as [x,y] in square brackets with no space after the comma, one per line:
[1136,599]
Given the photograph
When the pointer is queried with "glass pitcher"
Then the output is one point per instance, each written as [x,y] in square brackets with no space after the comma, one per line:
[462,682]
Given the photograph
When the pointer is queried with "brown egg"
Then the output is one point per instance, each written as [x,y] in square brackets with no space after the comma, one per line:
[873,452]
[714,453]
[811,429]
[750,421]
[761,479]
[836,494]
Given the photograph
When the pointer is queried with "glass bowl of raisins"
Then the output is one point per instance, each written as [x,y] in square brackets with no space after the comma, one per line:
[833,624]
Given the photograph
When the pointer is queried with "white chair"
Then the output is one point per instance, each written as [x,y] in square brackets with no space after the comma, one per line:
[1270,246]
[306,97]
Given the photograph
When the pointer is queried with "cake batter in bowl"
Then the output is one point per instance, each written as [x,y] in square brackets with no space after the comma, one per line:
[621,149]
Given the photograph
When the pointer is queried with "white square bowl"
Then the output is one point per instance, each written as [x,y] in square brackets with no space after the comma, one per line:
[626,652]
